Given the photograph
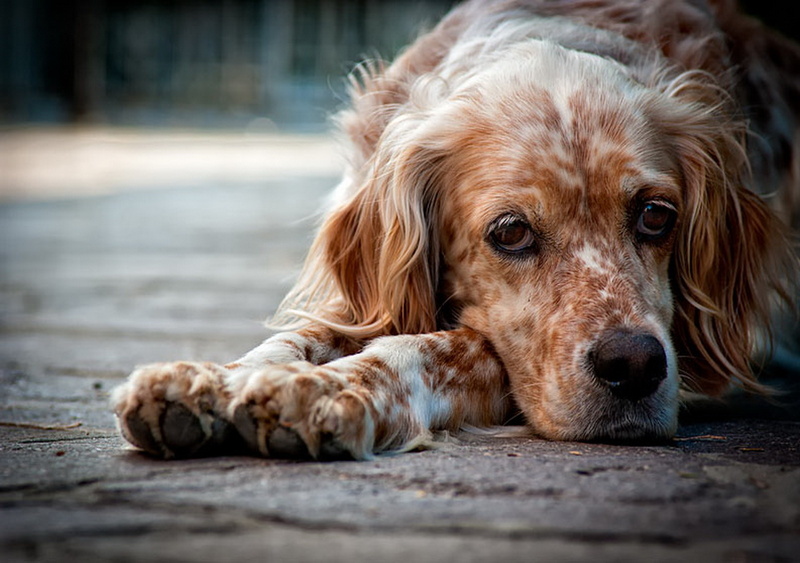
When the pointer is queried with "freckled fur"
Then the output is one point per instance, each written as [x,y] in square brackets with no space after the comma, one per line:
[568,114]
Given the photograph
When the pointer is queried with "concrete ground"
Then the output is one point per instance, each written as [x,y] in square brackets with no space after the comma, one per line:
[122,248]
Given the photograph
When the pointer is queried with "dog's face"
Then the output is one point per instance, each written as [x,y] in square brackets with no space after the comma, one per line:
[558,230]
[593,228]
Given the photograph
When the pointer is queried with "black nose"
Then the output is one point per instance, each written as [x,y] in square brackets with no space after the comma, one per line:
[632,364]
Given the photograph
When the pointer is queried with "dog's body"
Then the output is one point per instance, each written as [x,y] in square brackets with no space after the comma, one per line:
[547,208]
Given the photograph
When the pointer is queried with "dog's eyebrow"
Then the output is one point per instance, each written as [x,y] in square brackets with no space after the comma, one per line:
[649,181]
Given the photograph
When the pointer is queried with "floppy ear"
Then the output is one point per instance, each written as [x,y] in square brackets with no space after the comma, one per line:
[382,249]
[732,256]
[372,270]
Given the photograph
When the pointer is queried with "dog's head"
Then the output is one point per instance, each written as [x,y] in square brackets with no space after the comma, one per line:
[593,227]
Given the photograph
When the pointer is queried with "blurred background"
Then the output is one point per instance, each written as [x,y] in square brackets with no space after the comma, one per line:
[206,63]
[98,95]
[263,64]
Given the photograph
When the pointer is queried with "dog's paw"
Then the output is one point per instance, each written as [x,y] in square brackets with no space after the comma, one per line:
[301,410]
[175,410]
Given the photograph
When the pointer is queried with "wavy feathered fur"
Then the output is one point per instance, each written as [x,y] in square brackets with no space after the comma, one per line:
[376,265]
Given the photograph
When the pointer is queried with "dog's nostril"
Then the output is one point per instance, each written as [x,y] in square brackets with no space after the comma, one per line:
[632,364]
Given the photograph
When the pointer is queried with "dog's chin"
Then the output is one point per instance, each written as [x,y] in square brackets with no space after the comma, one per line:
[653,420]
[626,432]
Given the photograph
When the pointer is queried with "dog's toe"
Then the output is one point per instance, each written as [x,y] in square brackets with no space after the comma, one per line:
[286,443]
[247,427]
[176,410]
[186,434]
[182,431]
[266,437]
[330,449]
[137,431]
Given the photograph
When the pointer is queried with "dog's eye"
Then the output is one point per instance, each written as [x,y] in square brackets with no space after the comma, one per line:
[512,234]
[655,220]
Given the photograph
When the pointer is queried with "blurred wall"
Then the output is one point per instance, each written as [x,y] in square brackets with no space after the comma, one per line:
[259,63]
[193,62]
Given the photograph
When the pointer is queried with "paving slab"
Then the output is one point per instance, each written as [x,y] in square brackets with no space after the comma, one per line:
[92,285]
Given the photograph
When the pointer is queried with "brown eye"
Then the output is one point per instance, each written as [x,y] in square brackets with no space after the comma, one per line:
[655,220]
[512,234]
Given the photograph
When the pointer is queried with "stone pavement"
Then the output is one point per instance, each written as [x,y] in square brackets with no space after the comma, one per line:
[92,285]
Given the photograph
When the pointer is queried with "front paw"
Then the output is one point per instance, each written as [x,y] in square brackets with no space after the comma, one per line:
[302,410]
[175,410]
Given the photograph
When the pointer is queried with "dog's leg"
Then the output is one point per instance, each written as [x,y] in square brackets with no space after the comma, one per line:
[181,408]
[385,398]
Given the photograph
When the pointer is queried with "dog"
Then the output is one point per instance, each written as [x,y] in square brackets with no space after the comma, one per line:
[568,209]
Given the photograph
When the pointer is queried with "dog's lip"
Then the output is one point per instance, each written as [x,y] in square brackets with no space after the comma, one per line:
[651,430]
[650,420]
[647,427]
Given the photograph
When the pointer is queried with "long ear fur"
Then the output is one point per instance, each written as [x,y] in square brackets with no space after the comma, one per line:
[373,267]
[732,257]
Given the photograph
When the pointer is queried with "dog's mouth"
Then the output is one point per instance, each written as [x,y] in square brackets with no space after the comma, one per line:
[616,421]
[622,391]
